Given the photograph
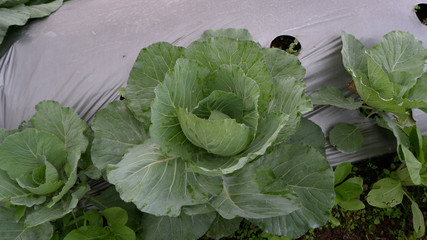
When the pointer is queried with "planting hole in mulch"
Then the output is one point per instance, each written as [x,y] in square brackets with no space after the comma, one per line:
[421,11]
[287,43]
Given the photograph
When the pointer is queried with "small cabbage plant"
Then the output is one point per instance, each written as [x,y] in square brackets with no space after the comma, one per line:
[391,82]
[389,76]
[38,172]
[207,135]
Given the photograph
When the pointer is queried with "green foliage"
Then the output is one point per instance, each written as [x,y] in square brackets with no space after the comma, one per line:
[39,167]
[389,76]
[93,226]
[222,227]
[18,12]
[110,198]
[346,137]
[209,128]
[183,227]
[248,231]
[387,192]
[210,138]
[329,95]
[347,192]
[292,48]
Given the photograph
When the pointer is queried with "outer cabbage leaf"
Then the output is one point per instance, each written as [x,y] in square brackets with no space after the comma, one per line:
[282,65]
[416,97]
[28,200]
[379,80]
[26,150]
[311,134]
[116,130]
[4,133]
[244,195]
[287,95]
[150,68]
[200,208]
[19,14]
[11,3]
[238,34]
[45,214]
[156,183]
[400,52]
[353,55]
[183,227]
[62,122]
[308,173]
[10,229]
[222,227]
[329,95]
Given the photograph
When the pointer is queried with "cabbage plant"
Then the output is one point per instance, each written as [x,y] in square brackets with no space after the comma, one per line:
[38,171]
[389,76]
[208,135]
[391,81]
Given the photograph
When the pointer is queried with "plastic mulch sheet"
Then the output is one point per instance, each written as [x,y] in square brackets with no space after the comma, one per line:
[82,54]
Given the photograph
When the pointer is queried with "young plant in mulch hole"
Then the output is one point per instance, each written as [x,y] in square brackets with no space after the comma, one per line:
[421,12]
[390,82]
[287,43]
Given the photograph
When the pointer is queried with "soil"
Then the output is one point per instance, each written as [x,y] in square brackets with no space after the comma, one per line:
[387,229]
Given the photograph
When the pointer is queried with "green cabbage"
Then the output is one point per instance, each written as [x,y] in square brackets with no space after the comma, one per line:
[208,128]
[38,170]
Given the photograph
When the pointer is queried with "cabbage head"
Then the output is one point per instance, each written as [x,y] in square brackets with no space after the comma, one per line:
[206,137]
[390,75]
